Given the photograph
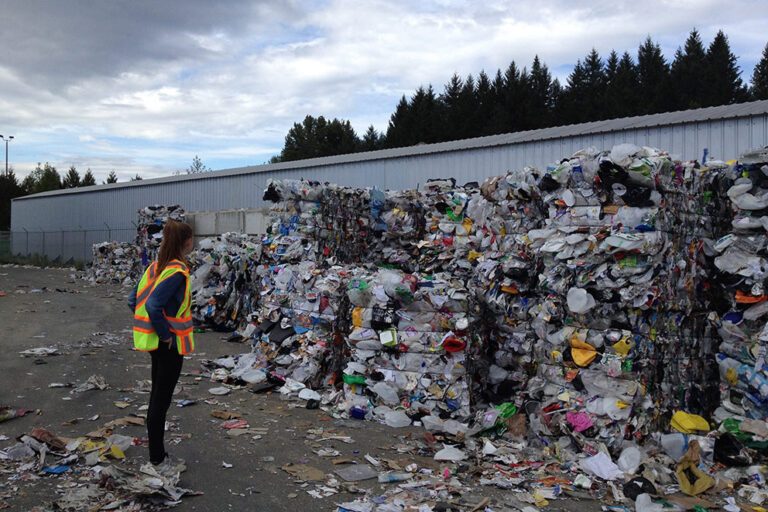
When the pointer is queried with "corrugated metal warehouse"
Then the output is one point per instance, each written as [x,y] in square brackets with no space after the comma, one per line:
[64,223]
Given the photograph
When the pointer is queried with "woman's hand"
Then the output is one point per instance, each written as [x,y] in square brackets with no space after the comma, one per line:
[168,341]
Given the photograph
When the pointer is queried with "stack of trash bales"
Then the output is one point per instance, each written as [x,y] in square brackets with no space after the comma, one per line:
[397,225]
[224,284]
[742,269]
[290,236]
[312,221]
[446,243]
[680,372]
[407,347]
[149,233]
[299,313]
[115,262]
[331,224]
[609,309]
[505,214]
[581,292]
[292,330]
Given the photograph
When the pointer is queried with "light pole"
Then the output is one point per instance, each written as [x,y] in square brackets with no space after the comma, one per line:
[10,137]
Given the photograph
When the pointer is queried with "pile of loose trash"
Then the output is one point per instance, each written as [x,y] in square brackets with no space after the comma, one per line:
[124,262]
[149,231]
[115,262]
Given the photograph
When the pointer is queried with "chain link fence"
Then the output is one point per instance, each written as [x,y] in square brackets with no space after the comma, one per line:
[76,246]
[59,246]
[6,240]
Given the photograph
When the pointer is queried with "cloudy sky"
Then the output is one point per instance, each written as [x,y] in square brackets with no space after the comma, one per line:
[143,86]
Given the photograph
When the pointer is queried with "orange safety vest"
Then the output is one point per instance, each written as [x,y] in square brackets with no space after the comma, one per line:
[144,336]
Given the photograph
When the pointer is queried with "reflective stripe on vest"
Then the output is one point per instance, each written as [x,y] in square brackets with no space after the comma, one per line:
[179,324]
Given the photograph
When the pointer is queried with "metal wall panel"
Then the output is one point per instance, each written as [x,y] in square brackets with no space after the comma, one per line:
[95,215]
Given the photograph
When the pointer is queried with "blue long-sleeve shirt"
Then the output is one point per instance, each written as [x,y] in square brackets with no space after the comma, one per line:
[167,297]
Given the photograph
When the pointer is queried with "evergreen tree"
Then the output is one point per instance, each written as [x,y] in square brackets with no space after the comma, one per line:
[724,85]
[316,137]
[594,76]
[540,95]
[463,120]
[42,179]
[611,67]
[28,184]
[372,140]
[584,99]
[569,109]
[653,79]
[611,70]
[621,95]
[689,78]
[511,109]
[71,179]
[196,167]
[399,129]
[458,106]
[137,178]
[500,118]
[450,99]
[338,138]
[484,101]
[9,189]
[557,99]
[88,179]
[426,117]
[518,102]
[759,89]
[302,140]
[112,177]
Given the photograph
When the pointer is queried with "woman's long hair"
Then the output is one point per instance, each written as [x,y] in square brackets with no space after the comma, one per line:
[175,235]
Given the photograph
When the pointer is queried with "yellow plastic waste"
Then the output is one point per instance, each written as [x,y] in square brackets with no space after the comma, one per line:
[540,500]
[622,347]
[116,452]
[688,423]
[357,317]
[582,352]
[89,445]
[692,480]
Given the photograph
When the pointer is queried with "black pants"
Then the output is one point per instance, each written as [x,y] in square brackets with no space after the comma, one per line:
[166,368]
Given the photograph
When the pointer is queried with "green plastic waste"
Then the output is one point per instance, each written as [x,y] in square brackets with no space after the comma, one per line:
[353,379]
[506,410]
[358,284]
[733,426]
[452,216]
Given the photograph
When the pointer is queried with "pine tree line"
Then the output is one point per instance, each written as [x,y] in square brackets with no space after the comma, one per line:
[518,99]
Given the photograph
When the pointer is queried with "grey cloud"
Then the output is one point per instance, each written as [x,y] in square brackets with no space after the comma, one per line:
[53,43]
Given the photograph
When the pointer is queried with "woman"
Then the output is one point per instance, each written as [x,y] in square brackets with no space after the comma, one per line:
[163,326]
